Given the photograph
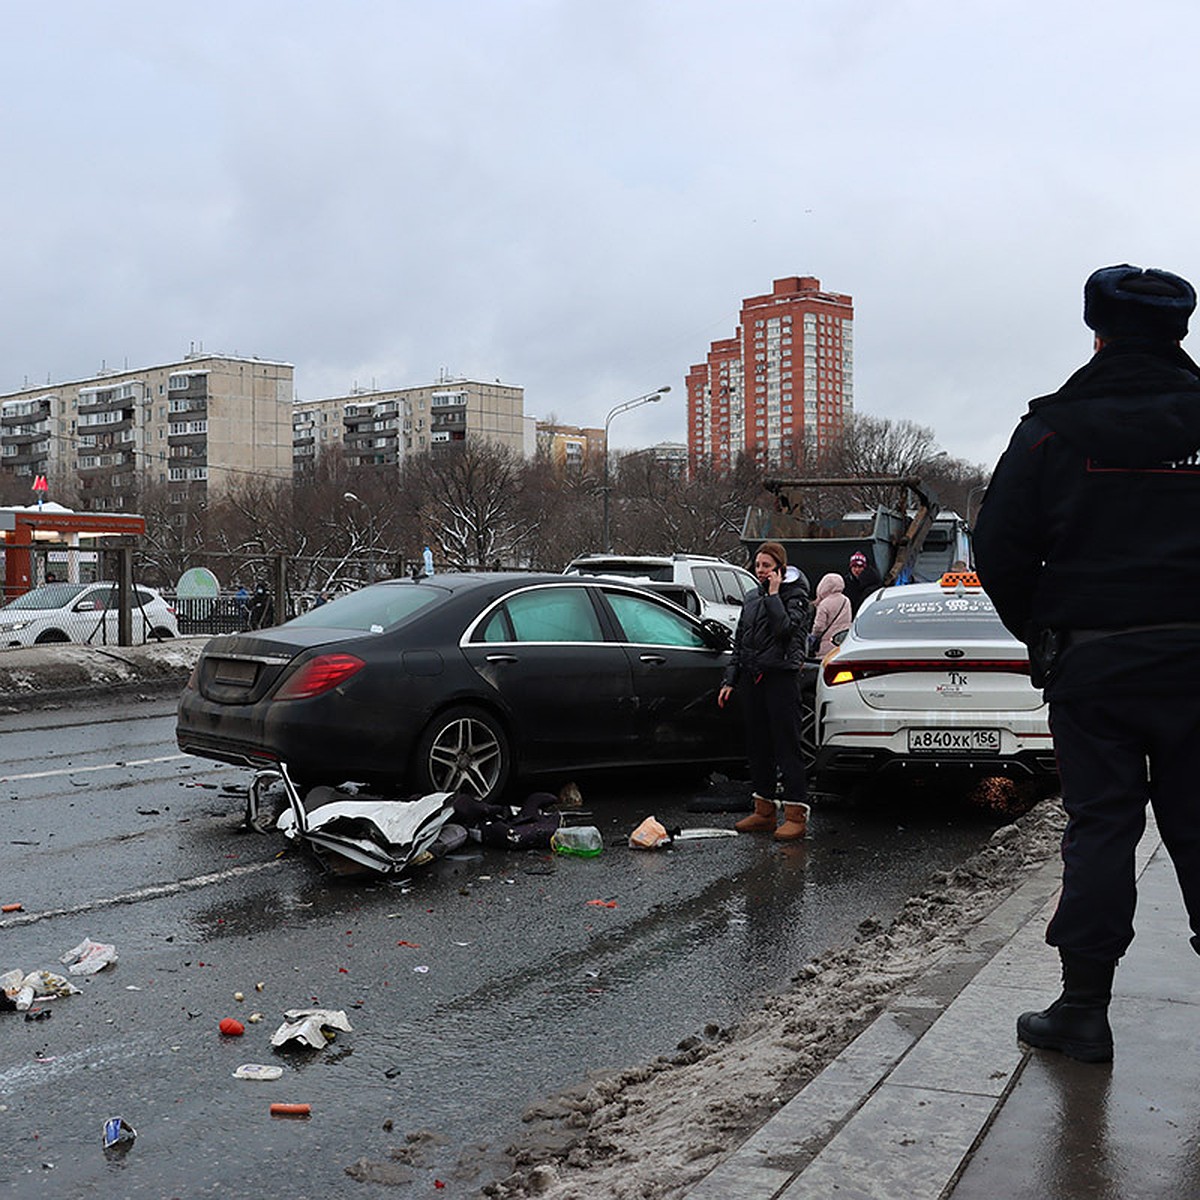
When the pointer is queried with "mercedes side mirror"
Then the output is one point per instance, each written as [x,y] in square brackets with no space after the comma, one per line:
[716,634]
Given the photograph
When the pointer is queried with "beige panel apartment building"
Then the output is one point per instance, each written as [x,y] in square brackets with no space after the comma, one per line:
[198,426]
[378,428]
[571,448]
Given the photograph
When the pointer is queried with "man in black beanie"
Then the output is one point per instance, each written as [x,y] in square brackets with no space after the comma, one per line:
[1088,542]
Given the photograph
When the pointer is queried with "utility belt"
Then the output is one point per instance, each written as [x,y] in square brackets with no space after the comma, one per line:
[1049,645]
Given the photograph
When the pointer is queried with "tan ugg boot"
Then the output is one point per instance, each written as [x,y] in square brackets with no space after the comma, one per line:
[763,817]
[795,823]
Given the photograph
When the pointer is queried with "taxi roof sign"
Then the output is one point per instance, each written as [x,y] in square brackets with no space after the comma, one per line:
[966,579]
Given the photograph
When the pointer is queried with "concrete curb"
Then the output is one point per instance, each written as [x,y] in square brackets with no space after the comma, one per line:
[899,1113]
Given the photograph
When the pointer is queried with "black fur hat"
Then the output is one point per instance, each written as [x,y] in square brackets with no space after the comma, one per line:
[1125,301]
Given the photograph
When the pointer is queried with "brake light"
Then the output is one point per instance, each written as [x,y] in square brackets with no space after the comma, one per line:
[319,675]
[837,671]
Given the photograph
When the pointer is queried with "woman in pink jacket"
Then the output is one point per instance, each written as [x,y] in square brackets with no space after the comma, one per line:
[833,613]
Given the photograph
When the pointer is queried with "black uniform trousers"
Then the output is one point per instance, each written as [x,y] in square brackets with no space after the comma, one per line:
[772,709]
[1117,750]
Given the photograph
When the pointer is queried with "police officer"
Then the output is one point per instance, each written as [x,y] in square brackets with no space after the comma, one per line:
[1088,542]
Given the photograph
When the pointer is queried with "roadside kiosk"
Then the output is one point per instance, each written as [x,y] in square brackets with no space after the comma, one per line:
[29,534]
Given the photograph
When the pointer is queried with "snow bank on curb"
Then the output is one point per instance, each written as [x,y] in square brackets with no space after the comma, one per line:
[28,673]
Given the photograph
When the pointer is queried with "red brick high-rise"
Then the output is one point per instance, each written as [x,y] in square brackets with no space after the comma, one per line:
[785,379]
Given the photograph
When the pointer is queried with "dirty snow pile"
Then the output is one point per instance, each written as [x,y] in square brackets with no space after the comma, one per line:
[652,1132]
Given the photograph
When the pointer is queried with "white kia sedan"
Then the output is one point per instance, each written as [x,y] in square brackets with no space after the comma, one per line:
[83,612]
[928,683]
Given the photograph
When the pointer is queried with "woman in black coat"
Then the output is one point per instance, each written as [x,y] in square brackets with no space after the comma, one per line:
[768,651]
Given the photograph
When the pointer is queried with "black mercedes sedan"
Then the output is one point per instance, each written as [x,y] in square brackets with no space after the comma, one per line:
[467,683]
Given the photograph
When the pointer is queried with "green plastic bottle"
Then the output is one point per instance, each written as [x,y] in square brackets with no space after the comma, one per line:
[583,841]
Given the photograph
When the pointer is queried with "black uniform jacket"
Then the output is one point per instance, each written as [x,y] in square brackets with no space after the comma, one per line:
[1091,521]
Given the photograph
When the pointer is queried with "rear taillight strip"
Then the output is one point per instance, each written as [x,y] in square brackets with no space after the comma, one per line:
[841,671]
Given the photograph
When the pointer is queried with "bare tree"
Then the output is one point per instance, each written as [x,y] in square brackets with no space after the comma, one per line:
[469,497]
[876,446]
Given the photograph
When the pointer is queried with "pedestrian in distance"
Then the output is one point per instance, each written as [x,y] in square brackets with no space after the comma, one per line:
[241,600]
[861,580]
[768,652]
[261,607]
[1088,545]
[832,614]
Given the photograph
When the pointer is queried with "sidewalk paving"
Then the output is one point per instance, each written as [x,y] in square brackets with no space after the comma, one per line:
[937,1099]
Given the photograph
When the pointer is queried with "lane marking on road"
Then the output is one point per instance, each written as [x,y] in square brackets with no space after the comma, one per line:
[147,893]
[112,766]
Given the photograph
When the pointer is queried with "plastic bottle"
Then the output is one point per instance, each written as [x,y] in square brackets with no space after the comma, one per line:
[584,841]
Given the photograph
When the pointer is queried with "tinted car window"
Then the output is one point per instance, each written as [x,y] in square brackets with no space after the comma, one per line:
[647,623]
[735,586]
[52,595]
[371,609]
[497,628]
[957,618]
[707,584]
[552,615]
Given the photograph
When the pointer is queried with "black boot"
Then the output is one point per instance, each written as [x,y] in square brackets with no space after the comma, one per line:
[1077,1022]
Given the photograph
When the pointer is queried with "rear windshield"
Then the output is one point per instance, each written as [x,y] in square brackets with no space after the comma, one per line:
[959,618]
[373,609]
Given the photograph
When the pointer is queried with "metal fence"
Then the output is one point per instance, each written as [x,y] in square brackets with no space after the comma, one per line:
[70,596]
[119,597]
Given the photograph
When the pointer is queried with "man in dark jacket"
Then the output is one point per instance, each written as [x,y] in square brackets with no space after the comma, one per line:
[768,652]
[1088,543]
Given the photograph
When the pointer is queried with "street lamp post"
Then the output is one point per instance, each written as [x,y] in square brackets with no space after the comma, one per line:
[636,402]
[970,496]
[352,498]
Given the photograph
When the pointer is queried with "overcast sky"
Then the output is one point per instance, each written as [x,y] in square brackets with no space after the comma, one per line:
[575,195]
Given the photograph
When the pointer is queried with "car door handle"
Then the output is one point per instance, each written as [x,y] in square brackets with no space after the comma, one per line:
[656,659]
[502,658]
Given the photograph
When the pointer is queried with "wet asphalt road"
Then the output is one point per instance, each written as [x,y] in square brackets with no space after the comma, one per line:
[483,984]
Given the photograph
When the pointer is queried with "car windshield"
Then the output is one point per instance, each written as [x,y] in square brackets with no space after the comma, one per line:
[372,609]
[924,617]
[52,595]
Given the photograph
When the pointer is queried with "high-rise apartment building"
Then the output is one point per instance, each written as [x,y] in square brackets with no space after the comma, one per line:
[378,428]
[783,383]
[198,426]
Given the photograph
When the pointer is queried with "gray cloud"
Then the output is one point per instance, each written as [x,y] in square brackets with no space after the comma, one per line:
[575,196]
